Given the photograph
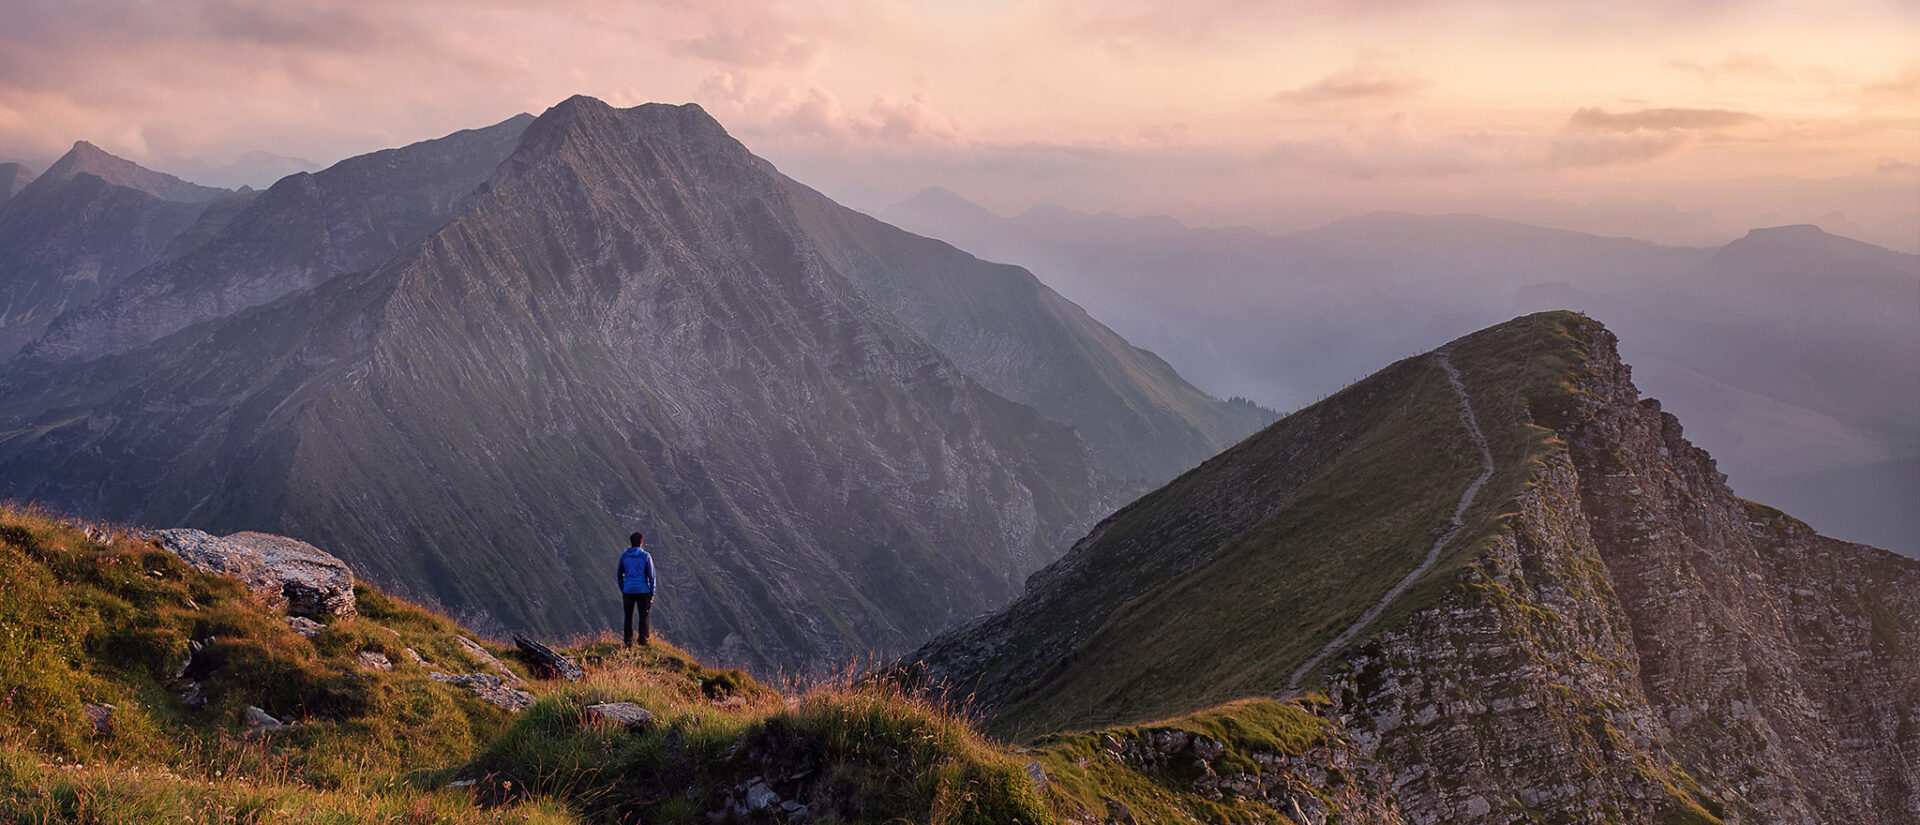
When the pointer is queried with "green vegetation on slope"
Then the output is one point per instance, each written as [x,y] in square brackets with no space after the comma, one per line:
[102,617]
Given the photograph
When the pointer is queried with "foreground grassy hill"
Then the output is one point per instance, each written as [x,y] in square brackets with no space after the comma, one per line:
[95,619]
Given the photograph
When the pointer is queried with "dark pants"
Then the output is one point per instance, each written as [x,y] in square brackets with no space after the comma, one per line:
[643,601]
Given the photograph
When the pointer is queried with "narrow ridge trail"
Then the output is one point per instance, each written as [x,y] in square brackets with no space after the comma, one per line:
[1442,355]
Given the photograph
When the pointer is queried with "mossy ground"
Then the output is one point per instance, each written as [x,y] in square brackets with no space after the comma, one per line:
[100,616]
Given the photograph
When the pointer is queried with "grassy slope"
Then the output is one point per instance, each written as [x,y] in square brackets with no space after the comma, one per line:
[1262,555]
[88,616]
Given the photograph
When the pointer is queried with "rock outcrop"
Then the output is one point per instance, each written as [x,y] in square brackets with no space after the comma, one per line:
[490,689]
[282,573]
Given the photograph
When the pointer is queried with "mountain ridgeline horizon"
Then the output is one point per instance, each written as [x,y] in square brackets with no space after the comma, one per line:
[472,365]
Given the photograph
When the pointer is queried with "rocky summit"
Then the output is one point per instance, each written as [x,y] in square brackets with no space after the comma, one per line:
[1511,583]
[470,367]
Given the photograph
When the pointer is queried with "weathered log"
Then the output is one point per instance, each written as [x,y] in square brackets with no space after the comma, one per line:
[545,662]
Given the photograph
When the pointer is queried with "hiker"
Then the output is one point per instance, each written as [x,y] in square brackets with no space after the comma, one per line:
[636,587]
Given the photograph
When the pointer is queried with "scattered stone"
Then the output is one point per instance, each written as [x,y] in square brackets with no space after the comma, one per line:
[414,655]
[487,660]
[546,662]
[1119,813]
[795,811]
[626,714]
[490,689]
[101,715]
[259,721]
[1038,773]
[733,702]
[759,796]
[279,571]
[304,626]
[374,660]
[463,783]
[193,695]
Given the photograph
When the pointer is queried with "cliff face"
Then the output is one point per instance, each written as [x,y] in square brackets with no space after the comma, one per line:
[1637,643]
[1613,636]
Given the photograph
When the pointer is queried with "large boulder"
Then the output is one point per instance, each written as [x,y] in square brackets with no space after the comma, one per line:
[282,573]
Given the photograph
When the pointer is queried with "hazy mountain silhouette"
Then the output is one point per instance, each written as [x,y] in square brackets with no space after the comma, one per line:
[77,230]
[1788,351]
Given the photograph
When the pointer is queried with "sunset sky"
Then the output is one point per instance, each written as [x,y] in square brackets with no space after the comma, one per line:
[1689,117]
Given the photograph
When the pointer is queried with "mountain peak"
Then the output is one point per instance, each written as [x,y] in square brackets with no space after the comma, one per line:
[1798,251]
[87,159]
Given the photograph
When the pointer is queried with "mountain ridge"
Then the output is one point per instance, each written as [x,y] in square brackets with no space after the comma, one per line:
[627,321]
[1550,661]
[87,159]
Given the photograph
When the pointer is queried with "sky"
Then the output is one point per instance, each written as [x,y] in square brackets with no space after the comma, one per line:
[1679,120]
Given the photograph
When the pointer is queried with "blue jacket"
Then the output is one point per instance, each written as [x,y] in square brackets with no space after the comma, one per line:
[636,571]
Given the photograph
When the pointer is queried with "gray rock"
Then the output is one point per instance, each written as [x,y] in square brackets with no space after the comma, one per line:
[1038,773]
[279,571]
[1118,813]
[626,714]
[259,721]
[490,689]
[414,656]
[305,626]
[488,661]
[374,660]
[101,715]
[760,797]
[548,662]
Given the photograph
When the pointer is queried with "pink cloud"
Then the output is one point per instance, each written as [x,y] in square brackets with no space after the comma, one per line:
[1360,82]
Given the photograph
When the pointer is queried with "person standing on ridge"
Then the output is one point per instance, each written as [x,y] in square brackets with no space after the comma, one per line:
[636,588]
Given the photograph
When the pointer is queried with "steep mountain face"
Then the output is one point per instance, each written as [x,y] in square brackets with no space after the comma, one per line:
[1609,633]
[631,323]
[296,235]
[76,231]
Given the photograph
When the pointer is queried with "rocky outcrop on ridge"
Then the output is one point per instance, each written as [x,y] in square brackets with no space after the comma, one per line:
[282,573]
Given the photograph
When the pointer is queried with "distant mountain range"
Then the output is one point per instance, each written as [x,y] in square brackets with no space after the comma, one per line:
[1516,587]
[471,366]
[1790,351]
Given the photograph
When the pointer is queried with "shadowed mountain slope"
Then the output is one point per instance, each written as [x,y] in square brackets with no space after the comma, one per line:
[1029,344]
[632,322]
[13,178]
[1611,634]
